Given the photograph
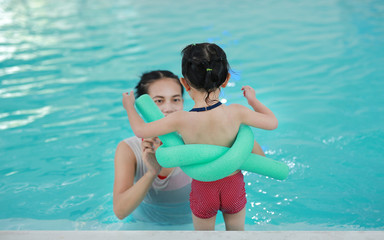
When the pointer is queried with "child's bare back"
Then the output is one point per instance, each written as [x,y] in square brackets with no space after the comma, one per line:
[217,126]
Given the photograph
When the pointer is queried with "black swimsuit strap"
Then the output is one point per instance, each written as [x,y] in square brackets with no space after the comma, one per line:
[203,109]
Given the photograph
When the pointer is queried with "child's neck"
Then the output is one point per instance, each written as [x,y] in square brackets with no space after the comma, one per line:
[199,97]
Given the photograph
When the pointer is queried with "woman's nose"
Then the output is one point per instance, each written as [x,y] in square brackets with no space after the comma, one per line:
[167,109]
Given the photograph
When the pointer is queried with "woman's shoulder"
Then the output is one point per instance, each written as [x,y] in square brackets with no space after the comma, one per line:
[129,147]
[131,141]
[128,152]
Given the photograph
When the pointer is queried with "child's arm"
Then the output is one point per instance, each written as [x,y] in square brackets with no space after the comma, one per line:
[262,117]
[152,129]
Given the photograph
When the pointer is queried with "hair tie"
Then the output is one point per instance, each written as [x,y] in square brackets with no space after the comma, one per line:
[209,69]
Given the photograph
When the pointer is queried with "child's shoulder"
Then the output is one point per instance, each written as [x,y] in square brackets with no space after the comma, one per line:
[176,118]
[178,113]
[237,109]
[236,106]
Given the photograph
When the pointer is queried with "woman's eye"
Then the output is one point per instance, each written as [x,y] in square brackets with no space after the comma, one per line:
[158,101]
[177,100]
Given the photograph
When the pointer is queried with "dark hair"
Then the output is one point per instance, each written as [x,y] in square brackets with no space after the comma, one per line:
[204,66]
[150,77]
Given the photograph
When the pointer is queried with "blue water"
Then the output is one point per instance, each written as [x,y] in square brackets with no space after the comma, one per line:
[317,64]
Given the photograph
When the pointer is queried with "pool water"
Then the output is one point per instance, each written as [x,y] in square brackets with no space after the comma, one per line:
[317,64]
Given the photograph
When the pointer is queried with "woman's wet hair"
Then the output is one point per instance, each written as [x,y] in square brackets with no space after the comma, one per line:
[204,66]
[150,77]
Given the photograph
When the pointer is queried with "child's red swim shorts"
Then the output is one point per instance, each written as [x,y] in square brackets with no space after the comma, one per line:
[226,195]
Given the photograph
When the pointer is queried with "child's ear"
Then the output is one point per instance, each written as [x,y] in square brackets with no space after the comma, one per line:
[185,84]
[226,81]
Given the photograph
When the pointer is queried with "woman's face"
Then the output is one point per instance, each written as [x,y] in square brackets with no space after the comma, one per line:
[166,93]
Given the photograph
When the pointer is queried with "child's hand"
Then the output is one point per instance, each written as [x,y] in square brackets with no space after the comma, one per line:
[249,93]
[128,100]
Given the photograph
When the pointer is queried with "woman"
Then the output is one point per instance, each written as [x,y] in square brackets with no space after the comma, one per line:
[142,187]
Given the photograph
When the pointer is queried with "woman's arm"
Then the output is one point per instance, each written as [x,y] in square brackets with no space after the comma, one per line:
[127,196]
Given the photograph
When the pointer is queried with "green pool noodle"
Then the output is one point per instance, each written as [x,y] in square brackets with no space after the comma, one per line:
[205,162]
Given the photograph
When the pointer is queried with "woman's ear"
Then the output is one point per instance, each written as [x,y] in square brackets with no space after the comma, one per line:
[185,84]
[226,81]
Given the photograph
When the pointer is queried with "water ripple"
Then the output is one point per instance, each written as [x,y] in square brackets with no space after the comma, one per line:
[70,202]
[28,116]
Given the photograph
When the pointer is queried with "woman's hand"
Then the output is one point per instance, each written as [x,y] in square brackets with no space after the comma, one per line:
[249,93]
[128,100]
[149,147]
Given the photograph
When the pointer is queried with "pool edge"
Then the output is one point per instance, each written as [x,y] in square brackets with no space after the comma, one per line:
[166,235]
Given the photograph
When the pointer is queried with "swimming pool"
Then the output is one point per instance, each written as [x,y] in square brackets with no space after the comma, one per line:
[317,65]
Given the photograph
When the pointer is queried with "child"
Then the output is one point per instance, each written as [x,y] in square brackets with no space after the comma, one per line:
[205,70]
